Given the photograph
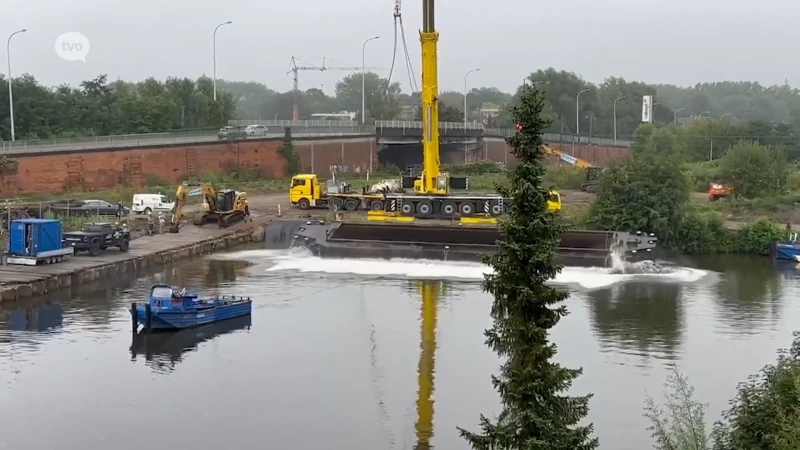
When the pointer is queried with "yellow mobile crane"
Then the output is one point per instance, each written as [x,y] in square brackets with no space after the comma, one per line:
[432,197]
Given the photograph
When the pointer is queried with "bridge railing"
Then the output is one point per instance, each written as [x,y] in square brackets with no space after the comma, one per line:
[562,137]
[295,123]
[139,140]
[418,125]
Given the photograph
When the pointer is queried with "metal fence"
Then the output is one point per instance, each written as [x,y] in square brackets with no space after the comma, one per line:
[562,137]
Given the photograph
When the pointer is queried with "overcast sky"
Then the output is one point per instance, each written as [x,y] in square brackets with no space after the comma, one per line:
[675,41]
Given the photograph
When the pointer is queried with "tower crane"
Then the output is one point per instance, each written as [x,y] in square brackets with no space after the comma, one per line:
[295,83]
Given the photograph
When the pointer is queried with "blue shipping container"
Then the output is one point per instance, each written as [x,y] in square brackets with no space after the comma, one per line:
[31,237]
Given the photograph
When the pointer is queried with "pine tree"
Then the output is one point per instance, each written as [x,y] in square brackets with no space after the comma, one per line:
[536,414]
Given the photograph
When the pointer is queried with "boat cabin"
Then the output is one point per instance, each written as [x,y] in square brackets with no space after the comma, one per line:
[167,297]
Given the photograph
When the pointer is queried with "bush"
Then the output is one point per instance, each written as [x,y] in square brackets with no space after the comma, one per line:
[754,170]
[564,177]
[680,424]
[702,233]
[703,173]
[758,236]
[477,168]
[765,414]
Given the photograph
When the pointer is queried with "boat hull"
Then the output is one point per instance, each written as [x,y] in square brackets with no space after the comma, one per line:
[787,252]
[178,320]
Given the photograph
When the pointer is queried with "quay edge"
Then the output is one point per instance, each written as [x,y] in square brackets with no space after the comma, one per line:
[56,278]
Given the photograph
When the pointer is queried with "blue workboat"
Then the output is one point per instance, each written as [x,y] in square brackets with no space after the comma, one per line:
[173,309]
[788,250]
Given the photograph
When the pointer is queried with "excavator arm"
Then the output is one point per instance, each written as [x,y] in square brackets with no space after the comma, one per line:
[568,158]
[209,193]
[181,197]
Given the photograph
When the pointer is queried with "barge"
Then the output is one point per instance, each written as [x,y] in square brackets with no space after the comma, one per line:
[437,242]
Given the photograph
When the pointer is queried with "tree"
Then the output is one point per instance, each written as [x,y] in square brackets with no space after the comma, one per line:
[535,414]
[682,426]
[765,414]
[754,170]
[647,192]
[382,101]
[446,114]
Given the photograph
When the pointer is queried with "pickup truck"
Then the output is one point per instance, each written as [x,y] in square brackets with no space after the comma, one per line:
[95,237]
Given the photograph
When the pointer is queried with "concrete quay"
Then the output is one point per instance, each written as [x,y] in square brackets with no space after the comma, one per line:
[19,282]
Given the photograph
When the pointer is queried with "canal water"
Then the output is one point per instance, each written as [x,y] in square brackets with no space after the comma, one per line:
[331,357]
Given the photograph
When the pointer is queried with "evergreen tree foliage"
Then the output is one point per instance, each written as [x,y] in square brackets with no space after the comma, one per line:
[536,413]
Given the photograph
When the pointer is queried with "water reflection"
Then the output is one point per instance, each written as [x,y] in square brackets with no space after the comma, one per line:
[430,292]
[749,293]
[640,318]
[164,350]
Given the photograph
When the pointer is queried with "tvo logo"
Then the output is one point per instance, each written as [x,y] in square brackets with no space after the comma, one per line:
[72,46]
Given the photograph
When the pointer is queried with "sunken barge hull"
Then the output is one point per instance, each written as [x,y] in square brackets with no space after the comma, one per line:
[438,242]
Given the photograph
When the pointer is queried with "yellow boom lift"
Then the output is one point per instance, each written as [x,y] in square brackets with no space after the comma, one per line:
[593,173]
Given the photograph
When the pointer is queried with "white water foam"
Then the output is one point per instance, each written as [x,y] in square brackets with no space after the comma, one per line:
[586,277]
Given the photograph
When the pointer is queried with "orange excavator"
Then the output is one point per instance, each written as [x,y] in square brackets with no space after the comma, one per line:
[717,191]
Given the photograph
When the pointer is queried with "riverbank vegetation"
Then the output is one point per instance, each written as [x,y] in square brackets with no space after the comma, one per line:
[764,414]
[535,413]
[101,107]
[651,191]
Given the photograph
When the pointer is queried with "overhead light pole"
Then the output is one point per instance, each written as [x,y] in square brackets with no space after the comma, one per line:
[215,55]
[578,113]
[466,146]
[10,90]
[675,115]
[615,117]
[363,79]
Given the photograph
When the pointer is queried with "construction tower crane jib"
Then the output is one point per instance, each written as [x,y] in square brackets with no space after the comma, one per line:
[431,181]
[296,83]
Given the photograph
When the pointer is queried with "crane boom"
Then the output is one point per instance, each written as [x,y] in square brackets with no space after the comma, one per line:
[431,181]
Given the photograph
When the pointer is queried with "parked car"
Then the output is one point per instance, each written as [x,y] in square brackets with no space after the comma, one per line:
[88,208]
[256,130]
[152,203]
[95,237]
[231,132]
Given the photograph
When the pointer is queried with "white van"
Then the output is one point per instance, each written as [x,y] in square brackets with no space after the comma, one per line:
[151,203]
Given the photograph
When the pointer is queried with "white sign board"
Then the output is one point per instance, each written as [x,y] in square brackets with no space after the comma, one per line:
[647,108]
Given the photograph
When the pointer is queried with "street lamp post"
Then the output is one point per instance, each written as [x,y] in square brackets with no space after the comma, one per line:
[723,116]
[675,115]
[10,93]
[578,113]
[363,80]
[215,55]
[466,146]
[615,117]
[700,116]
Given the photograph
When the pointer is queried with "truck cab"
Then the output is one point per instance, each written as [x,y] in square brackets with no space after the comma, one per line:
[305,190]
[554,201]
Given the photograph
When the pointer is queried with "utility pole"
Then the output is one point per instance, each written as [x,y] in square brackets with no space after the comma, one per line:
[214,56]
[615,117]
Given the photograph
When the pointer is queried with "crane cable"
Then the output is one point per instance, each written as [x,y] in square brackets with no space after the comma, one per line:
[398,19]
[412,79]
